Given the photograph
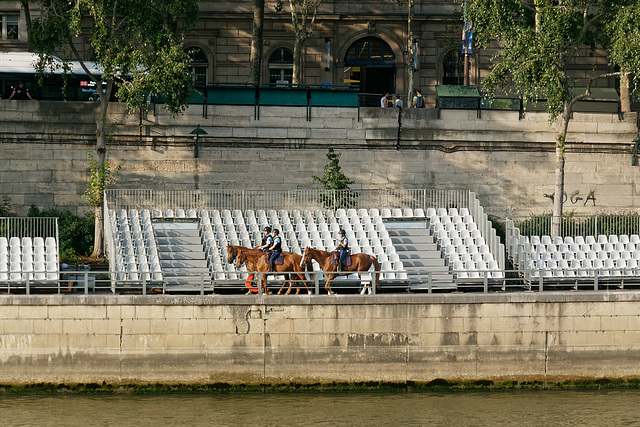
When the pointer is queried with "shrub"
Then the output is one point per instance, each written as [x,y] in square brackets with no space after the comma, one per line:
[75,232]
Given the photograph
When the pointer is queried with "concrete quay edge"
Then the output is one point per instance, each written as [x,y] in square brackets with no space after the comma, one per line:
[412,299]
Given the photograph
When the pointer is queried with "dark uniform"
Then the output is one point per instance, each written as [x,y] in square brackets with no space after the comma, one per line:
[276,249]
[343,248]
[267,240]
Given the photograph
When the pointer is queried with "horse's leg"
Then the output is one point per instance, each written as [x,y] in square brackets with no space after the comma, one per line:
[283,285]
[327,284]
[265,289]
[365,288]
[299,286]
[290,280]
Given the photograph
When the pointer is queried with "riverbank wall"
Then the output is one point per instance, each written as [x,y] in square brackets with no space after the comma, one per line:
[256,340]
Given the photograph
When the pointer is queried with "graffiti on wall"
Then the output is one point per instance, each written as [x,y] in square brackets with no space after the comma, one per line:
[576,198]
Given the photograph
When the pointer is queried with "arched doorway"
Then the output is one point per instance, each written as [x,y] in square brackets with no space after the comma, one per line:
[370,65]
[281,66]
[199,67]
[453,68]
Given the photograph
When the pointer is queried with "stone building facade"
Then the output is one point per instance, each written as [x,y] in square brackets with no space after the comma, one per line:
[362,43]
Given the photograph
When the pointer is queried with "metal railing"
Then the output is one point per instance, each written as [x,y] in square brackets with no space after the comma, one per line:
[286,199]
[85,282]
[579,225]
[29,227]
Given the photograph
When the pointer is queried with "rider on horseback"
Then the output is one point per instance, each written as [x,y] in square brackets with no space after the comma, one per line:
[275,248]
[342,247]
[267,240]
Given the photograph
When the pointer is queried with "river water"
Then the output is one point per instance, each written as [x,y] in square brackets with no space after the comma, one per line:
[512,408]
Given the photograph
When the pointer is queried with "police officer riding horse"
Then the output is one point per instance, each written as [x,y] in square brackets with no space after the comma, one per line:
[342,247]
[275,248]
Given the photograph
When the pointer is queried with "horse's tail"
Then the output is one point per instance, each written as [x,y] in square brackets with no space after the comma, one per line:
[376,267]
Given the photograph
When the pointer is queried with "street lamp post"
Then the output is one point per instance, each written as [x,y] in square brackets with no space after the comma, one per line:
[197,132]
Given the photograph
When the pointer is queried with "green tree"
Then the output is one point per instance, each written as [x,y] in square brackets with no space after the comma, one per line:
[75,232]
[539,39]
[137,44]
[336,182]
[303,18]
[100,178]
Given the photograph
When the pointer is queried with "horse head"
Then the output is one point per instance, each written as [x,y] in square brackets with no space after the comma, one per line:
[305,257]
[240,258]
[232,253]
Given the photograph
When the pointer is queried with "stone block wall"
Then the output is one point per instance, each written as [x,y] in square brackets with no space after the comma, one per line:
[508,162]
[275,340]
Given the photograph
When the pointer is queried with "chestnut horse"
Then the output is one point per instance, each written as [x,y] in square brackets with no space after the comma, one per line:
[360,263]
[254,260]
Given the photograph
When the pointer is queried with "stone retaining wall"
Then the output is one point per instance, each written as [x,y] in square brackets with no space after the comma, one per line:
[276,340]
[508,162]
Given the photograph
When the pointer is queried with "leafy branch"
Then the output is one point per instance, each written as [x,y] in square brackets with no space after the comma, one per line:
[100,178]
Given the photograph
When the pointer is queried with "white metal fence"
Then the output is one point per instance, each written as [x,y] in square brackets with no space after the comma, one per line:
[29,227]
[580,225]
[292,199]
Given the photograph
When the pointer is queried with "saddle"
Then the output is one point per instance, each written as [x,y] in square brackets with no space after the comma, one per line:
[335,257]
[279,260]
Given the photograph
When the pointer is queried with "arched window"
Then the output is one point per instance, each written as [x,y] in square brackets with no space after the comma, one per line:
[281,66]
[453,68]
[369,50]
[199,67]
[370,65]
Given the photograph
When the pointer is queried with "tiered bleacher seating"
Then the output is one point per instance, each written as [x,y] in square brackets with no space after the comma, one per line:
[34,260]
[583,257]
[462,244]
[135,254]
[315,228]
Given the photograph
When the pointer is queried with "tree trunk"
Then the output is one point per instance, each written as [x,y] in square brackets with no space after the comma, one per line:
[411,53]
[625,93]
[101,154]
[256,42]
[27,17]
[558,195]
[297,61]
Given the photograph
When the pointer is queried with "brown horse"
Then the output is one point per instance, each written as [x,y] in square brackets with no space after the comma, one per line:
[360,263]
[254,260]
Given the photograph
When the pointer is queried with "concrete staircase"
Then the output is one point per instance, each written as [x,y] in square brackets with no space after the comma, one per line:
[181,255]
[419,254]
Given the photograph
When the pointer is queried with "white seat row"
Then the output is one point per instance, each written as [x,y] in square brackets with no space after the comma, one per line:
[298,230]
[462,244]
[589,240]
[28,259]
[582,257]
[585,268]
[477,269]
